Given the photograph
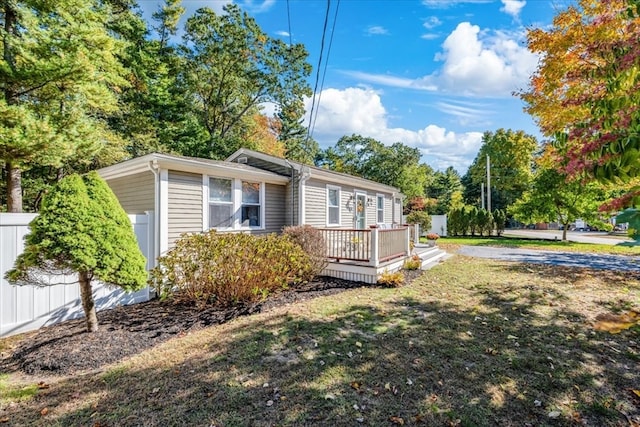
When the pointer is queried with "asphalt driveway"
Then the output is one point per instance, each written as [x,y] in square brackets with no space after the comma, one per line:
[568,259]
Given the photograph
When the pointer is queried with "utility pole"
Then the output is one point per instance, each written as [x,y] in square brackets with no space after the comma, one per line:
[482,194]
[488,184]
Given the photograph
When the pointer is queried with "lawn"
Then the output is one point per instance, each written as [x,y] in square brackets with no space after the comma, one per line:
[625,248]
[471,343]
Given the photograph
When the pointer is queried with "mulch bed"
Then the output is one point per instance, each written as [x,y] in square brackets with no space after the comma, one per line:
[66,348]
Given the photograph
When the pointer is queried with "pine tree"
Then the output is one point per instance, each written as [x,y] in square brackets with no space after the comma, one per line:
[83,229]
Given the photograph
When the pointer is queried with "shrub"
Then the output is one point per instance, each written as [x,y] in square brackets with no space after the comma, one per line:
[421,218]
[229,269]
[82,228]
[312,242]
[391,280]
[414,263]
[433,236]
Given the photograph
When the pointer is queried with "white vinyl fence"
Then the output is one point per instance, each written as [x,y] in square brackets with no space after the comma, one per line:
[439,225]
[29,307]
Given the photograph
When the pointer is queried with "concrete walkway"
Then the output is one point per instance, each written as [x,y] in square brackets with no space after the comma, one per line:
[569,259]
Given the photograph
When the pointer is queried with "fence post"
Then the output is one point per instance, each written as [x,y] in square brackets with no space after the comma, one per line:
[408,241]
[373,261]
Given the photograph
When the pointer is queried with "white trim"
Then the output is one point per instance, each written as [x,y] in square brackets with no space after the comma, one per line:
[327,216]
[378,195]
[164,211]
[234,204]
[261,204]
[205,202]
[302,203]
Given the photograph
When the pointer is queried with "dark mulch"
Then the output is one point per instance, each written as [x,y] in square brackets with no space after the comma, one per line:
[65,348]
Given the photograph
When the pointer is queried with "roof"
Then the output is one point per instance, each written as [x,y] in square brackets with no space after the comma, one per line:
[189,164]
[283,166]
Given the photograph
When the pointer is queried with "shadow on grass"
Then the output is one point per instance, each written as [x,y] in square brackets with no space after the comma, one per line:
[425,362]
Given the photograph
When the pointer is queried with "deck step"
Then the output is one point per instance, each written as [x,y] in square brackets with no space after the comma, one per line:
[430,256]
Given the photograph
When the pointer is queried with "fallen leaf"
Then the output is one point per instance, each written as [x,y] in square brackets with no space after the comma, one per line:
[397,420]
[615,324]
[409,382]
[358,344]
[269,402]
[44,411]
[329,396]
[512,337]
[355,385]
[4,420]
[554,414]
[387,386]
[42,385]
[636,392]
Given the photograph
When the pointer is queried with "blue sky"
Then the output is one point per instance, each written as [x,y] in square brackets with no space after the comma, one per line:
[432,74]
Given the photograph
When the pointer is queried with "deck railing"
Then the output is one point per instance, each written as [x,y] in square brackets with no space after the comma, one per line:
[372,245]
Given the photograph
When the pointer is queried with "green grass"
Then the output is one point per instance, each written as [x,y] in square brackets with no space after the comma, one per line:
[620,249]
[471,342]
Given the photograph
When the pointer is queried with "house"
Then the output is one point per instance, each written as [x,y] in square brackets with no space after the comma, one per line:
[258,193]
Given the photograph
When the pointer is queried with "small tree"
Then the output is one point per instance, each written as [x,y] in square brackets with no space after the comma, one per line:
[422,218]
[499,220]
[82,228]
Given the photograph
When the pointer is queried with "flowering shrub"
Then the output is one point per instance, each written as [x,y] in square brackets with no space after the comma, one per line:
[433,236]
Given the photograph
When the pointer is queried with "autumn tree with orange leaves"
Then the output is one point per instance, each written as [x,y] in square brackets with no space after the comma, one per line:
[585,93]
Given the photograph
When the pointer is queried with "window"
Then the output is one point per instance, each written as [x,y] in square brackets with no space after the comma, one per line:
[380,208]
[333,205]
[250,209]
[220,203]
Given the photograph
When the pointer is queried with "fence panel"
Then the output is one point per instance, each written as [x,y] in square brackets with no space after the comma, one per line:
[392,243]
[29,307]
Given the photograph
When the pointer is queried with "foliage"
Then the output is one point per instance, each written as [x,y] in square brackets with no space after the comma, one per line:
[585,92]
[397,165]
[82,228]
[232,67]
[443,188]
[391,280]
[469,220]
[554,196]
[229,269]
[59,73]
[421,218]
[499,221]
[312,242]
[511,160]
[412,263]
[631,216]
[433,236]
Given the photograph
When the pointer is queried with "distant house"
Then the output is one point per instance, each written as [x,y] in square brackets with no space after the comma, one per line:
[250,191]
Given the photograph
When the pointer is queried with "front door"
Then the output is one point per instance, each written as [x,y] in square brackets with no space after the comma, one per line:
[361,217]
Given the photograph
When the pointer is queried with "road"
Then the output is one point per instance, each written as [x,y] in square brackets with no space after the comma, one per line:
[572,236]
[568,259]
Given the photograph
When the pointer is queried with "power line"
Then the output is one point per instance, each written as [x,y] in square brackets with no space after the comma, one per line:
[315,88]
[326,62]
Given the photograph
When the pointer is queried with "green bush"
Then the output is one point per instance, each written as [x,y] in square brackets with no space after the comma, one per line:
[228,269]
[312,242]
[421,218]
[82,228]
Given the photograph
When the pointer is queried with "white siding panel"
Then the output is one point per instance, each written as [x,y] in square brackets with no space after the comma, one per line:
[316,203]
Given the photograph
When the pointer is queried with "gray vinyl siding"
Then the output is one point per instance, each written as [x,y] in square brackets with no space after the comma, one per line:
[275,208]
[316,203]
[135,192]
[185,204]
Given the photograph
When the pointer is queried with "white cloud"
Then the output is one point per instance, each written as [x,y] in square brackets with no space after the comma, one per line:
[513,7]
[444,4]
[432,22]
[360,111]
[257,6]
[477,64]
[282,33]
[430,36]
[376,30]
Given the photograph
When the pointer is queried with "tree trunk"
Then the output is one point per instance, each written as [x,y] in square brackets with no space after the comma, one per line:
[88,304]
[14,188]
[564,232]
